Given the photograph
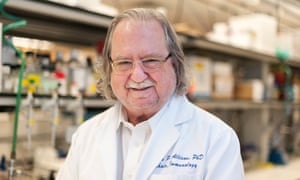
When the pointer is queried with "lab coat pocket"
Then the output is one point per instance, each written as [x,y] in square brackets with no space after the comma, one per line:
[176,177]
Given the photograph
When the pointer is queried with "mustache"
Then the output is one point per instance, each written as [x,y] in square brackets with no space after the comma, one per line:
[141,85]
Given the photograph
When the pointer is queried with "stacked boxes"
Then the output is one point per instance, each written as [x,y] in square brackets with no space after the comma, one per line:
[210,79]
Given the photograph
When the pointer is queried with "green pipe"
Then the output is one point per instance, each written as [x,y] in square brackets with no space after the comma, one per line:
[5,14]
[18,23]
[18,104]
[13,26]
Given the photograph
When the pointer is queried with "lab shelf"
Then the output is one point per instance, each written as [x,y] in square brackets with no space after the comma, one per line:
[211,47]
[243,104]
[56,22]
[9,100]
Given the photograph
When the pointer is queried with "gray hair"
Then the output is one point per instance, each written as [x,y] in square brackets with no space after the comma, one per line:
[141,14]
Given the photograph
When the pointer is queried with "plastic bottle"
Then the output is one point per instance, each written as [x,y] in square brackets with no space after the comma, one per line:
[61,73]
[7,81]
[32,74]
[3,168]
[48,83]
[76,74]
[90,89]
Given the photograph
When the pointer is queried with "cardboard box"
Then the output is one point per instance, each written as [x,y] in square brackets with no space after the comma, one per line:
[250,90]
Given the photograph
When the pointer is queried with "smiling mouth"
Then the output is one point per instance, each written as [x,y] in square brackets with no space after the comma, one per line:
[140,89]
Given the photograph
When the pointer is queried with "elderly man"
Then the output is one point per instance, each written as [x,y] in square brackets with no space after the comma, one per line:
[153,131]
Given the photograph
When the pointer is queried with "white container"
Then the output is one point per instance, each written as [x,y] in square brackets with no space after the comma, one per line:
[200,83]
[254,31]
[219,33]
[222,81]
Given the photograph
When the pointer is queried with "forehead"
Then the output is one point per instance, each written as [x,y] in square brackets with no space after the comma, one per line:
[139,26]
[138,36]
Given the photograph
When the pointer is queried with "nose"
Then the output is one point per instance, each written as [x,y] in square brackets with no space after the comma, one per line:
[138,74]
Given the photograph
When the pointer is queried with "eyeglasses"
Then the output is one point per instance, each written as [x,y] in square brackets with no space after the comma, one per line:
[149,64]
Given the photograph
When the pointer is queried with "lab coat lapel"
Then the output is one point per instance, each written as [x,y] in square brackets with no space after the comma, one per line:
[164,137]
[156,150]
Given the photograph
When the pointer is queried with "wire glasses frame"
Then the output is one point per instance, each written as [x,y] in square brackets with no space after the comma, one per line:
[149,64]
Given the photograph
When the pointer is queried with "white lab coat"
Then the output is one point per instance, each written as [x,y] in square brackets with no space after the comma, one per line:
[187,144]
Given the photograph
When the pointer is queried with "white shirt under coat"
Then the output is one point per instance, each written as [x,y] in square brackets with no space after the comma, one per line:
[181,142]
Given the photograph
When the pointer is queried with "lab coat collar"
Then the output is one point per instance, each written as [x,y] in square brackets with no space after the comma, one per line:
[164,135]
[174,100]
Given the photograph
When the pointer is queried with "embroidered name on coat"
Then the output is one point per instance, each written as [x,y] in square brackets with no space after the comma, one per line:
[177,160]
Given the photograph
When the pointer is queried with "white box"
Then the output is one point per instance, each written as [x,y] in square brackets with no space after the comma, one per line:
[200,82]
[222,68]
[254,31]
[220,33]
[223,80]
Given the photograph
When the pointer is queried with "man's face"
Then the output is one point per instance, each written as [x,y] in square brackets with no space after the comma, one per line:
[142,92]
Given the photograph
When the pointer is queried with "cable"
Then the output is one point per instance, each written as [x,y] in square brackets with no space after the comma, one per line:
[18,22]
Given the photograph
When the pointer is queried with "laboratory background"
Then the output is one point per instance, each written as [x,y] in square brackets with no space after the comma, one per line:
[244,58]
